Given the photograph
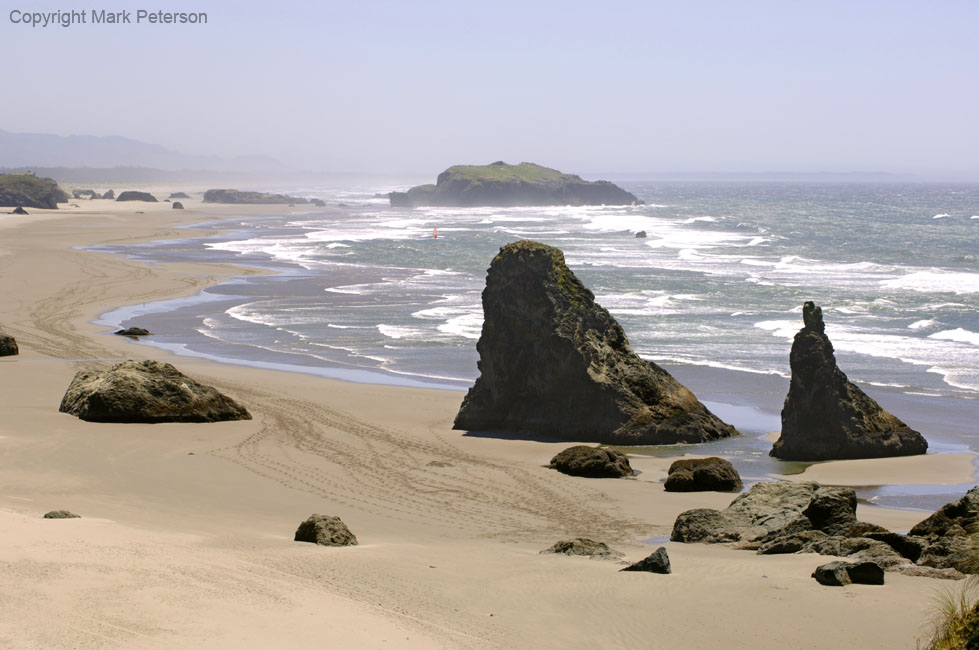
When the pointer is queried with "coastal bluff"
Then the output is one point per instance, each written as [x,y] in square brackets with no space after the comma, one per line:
[554,363]
[503,185]
[828,417]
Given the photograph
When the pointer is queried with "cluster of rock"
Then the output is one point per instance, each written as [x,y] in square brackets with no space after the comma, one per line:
[85,194]
[325,530]
[500,184]
[146,391]
[555,363]
[240,197]
[826,416]
[178,195]
[592,462]
[584,547]
[8,345]
[133,195]
[782,517]
[27,190]
[703,475]
[110,194]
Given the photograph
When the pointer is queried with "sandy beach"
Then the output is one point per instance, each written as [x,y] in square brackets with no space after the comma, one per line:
[185,539]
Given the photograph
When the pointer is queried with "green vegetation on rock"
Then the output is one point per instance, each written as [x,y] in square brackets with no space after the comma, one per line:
[27,190]
[500,184]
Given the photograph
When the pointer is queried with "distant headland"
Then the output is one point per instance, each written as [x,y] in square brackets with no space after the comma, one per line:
[503,185]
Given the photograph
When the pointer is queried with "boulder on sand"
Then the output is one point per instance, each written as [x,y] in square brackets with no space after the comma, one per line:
[656,562]
[110,194]
[146,391]
[61,514]
[826,416]
[592,462]
[703,475]
[325,531]
[133,332]
[8,345]
[177,205]
[18,210]
[555,363]
[582,546]
[133,195]
[838,574]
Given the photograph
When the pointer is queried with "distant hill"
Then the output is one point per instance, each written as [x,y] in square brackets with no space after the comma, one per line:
[27,150]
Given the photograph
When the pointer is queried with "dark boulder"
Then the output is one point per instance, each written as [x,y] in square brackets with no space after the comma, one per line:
[18,210]
[61,514]
[948,537]
[582,546]
[827,417]
[326,531]
[110,194]
[177,205]
[133,332]
[592,462]
[641,234]
[8,345]
[133,195]
[838,574]
[703,475]
[656,562]
[766,512]
[146,391]
[555,363]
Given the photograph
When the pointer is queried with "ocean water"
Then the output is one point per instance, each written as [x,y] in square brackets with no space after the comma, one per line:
[365,292]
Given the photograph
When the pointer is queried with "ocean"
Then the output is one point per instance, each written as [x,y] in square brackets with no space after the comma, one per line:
[362,291]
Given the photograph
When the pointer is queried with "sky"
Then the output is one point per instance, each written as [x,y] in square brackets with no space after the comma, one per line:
[614,86]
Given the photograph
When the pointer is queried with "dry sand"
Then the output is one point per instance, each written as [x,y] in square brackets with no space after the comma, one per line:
[186,535]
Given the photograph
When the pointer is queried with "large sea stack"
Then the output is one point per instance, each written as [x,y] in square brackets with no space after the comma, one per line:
[827,417]
[500,184]
[555,363]
[27,190]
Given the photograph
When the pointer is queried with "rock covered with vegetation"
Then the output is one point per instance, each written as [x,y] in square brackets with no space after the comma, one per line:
[828,417]
[555,363]
[27,190]
[146,391]
[238,196]
[582,546]
[500,184]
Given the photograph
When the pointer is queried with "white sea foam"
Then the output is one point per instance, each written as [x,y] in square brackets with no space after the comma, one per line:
[941,216]
[935,281]
[400,332]
[922,324]
[468,326]
[958,335]
[699,219]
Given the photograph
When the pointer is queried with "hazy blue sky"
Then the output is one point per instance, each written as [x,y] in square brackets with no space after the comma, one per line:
[598,86]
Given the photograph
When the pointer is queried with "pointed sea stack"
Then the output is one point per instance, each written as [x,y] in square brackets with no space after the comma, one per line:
[827,417]
[555,363]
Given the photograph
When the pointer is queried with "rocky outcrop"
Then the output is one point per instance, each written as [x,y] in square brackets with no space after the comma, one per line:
[18,210]
[319,203]
[827,417]
[703,475]
[61,514]
[146,391]
[239,197]
[555,363]
[110,194]
[177,205]
[133,332]
[641,234]
[947,539]
[656,562]
[178,195]
[582,546]
[592,462]
[8,345]
[500,184]
[839,574]
[133,195]
[27,190]
[325,531]
[84,194]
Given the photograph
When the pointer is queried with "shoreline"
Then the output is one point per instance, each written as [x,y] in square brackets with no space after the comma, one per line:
[205,513]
